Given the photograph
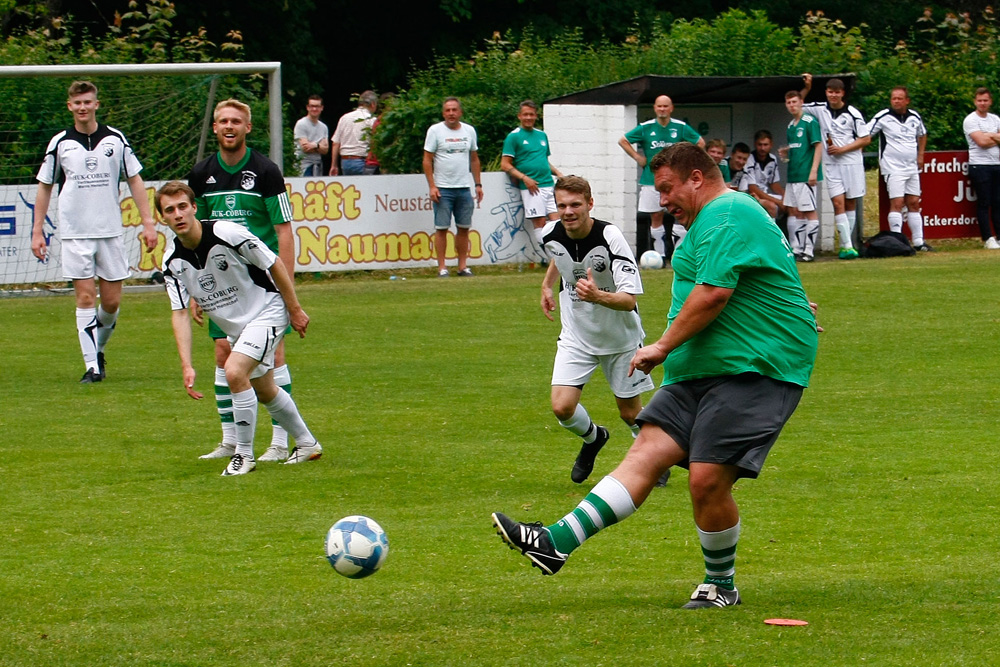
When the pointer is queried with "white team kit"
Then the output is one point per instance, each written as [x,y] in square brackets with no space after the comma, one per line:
[88,168]
[845,173]
[227,276]
[592,334]
[897,151]
[762,173]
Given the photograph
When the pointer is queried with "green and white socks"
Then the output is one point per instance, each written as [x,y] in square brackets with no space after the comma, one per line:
[581,424]
[719,550]
[224,404]
[607,503]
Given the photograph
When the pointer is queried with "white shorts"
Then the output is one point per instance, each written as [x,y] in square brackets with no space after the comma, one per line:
[845,179]
[649,199]
[86,258]
[539,205]
[573,368]
[801,196]
[258,342]
[899,185]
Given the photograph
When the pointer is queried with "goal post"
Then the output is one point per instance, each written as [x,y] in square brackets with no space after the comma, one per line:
[165,110]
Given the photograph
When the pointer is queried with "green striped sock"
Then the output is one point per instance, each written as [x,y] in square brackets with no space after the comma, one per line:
[607,503]
[719,551]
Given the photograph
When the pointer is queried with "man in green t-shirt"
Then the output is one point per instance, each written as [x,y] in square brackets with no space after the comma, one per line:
[652,137]
[803,154]
[526,160]
[738,351]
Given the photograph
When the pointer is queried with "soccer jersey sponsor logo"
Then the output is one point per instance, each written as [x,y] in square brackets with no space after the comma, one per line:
[207,283]
[230,201]
[249,180]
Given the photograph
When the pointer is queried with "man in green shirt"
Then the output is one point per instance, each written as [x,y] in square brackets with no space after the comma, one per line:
[803,153]
[526,160]
[738,351]
[652,137]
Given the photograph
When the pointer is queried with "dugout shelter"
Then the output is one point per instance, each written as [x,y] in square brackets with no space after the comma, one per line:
[584,129]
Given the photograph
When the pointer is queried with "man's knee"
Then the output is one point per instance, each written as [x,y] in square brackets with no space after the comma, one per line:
[563,409]
[222,351]
[710,483]
[629,412]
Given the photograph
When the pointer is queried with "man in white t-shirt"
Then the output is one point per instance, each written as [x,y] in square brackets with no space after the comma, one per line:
[597,310]
[87,161]
[901,159]
[982,131]
[311,139]
[451,165]
[352,138]
[845,134]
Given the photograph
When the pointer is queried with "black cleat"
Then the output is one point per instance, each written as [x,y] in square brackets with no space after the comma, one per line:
[923,247]
[584,464]
[100,365]
[91,376]
[710,595]
[532,540]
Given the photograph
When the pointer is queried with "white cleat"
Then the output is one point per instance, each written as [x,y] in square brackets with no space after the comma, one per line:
[307,453]
[239,465]
[274,453]
[222,451]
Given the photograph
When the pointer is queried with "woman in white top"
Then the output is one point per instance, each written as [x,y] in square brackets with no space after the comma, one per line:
[982,130]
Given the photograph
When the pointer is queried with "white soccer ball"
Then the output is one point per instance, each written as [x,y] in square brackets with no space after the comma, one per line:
[651,260]
[356,546]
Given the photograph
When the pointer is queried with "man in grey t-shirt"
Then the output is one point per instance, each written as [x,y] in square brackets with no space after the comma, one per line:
[311,142]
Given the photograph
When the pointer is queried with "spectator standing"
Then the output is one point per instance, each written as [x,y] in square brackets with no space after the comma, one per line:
[804,154]
[845,135]
[311,139]
[350,142]
[982,131]
[451,163]
[902,140]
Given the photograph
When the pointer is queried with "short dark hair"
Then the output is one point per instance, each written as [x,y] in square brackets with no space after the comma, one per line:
[575,184]
[983,90]
[903,88]
[683,158]
[173,188]
[793,93]
[835,84]
[527,103]
[315,97]
[81,88]
[762,134]
[740,147]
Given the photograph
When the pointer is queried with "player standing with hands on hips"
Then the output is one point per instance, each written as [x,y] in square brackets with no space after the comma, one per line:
[87,161]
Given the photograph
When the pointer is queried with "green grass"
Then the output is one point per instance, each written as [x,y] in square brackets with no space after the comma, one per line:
[874,518]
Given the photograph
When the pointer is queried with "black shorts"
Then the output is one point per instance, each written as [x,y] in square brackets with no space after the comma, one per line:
[730,419]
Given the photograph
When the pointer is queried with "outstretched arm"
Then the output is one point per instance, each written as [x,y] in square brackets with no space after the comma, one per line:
[182,335]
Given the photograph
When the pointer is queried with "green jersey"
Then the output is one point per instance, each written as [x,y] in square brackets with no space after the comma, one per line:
[653,138]
[802,139]
[530,152]
[724,168]
[767,326]
[251,193]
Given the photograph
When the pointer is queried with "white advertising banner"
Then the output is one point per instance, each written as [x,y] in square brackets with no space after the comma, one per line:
[339,224]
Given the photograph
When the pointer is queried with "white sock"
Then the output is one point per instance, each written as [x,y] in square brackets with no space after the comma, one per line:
[86,329]
[895,222]
[634,428]
[796,238]
[852,223]
[224,404]
[580,424]
[811,227]
[282,409]
[245,415]
[539,236]
[282,378]
[105,327]
[844,230]
[915,222]
[659,235]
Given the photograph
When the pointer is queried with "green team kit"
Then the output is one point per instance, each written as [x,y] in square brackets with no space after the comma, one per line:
[251,193]
[802,137]
[653,138]
[530,152]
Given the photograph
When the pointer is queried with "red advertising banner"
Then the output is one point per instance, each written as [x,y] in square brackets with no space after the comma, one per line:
[948,202]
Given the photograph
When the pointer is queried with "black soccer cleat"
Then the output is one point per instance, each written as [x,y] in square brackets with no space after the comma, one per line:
[584,464]
[710,595]
[532,540]
[91,376]
[100,365]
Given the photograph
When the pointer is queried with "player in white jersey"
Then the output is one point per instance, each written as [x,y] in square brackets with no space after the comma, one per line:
[761,177]
[982,131]
[600,321]
[901,159]
[239,283]
[845,134]
[87,161]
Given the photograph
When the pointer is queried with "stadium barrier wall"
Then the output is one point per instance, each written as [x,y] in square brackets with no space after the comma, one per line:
[339,224]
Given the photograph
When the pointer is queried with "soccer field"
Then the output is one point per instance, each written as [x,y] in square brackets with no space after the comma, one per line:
[874,518]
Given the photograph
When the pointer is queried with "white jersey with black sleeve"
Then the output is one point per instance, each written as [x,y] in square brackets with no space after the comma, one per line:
[898,145]
[842,126]
[227,275]
[88,168]
[762,173]
[588,326]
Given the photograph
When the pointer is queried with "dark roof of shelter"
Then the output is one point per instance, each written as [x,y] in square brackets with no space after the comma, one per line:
[702,89]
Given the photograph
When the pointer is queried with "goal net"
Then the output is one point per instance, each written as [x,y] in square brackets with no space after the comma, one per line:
[166,119]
